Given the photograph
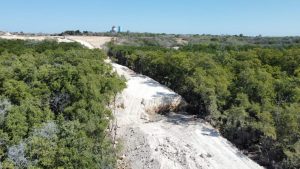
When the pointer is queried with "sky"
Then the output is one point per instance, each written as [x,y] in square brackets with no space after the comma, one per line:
[227,17]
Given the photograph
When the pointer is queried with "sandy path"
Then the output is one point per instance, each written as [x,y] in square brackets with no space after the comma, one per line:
[91,41]
[38,38]
[96,41]
[174,141]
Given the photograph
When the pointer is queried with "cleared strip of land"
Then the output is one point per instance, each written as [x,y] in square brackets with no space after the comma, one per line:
[173,141]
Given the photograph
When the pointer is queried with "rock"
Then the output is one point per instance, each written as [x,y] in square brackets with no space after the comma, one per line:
[122,157]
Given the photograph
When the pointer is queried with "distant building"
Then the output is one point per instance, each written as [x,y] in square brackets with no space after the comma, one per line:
[113,29]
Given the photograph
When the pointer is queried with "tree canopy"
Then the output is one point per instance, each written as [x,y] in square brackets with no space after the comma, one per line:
[250,92]
[54,101]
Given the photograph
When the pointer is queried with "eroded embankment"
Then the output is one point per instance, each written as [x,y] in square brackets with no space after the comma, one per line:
[171,141]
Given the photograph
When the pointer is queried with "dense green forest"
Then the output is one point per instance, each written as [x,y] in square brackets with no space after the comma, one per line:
[54,106]
[250,91]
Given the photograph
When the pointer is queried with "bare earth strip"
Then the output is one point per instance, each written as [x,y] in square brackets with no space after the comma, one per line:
[173,141]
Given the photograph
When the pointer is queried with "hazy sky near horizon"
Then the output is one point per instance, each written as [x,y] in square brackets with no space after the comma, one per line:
[249,17]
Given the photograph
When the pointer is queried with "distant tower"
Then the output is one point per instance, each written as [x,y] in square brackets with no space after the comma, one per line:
[113,29]
[119,29]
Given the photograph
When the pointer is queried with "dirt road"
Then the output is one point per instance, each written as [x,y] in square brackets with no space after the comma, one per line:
[174,141]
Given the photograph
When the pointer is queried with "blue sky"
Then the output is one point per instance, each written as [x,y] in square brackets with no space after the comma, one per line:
[249,17]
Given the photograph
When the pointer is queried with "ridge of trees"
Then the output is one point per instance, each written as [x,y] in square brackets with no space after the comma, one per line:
[174,40]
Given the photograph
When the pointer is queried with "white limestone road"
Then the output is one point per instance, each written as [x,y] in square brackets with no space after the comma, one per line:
[174,141]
